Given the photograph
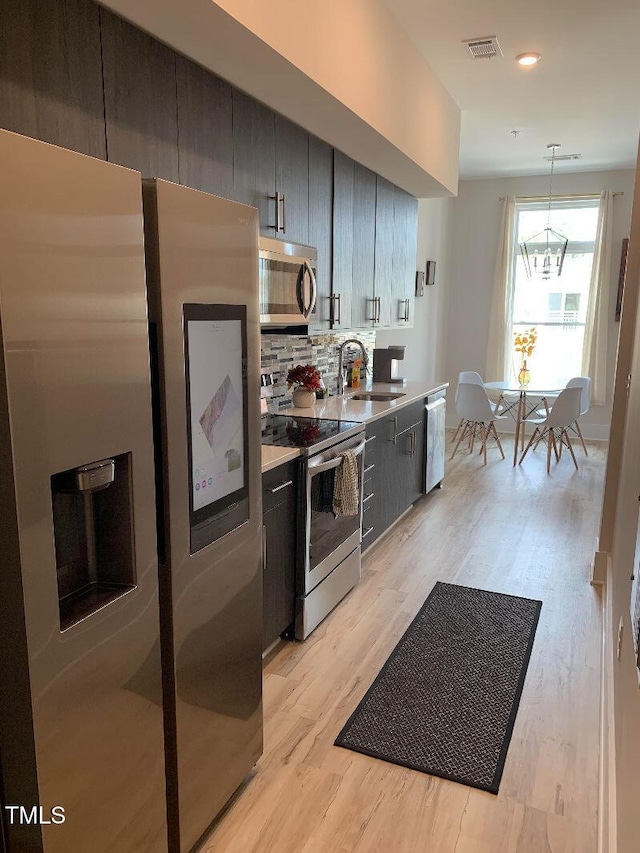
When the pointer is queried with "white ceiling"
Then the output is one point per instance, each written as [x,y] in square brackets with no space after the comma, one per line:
[584,94]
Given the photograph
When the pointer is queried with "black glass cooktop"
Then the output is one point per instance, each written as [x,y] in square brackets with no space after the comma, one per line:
[306,433]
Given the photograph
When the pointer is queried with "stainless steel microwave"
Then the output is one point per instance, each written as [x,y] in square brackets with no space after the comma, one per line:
[287,284]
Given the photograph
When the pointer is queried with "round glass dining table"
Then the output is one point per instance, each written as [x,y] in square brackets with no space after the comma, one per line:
[519,407]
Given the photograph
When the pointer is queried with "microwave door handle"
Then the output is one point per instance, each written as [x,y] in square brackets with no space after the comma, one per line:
[308,309]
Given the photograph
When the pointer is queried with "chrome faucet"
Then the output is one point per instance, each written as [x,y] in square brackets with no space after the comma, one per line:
[365,360]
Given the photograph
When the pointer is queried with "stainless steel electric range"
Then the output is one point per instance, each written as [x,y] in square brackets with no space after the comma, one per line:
[328,545]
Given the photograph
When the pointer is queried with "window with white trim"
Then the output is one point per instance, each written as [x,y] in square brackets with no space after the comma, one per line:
[558,306]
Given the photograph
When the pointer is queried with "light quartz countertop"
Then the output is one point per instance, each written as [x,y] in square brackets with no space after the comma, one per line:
[273,456]
[344,408]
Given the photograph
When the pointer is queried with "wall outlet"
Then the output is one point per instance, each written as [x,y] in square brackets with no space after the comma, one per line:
[619,644]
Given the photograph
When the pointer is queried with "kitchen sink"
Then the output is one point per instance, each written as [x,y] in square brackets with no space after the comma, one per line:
[377,396]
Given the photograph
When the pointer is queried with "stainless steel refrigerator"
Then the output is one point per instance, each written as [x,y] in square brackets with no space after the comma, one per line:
[202,273]
[81,721]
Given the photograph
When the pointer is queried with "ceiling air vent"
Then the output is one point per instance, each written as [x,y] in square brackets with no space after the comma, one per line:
[483,48]
[565,157]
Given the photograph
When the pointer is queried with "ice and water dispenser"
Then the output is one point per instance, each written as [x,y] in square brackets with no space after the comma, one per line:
[93,531]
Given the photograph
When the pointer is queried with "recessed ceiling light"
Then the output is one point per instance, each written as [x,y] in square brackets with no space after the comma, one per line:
[528,58]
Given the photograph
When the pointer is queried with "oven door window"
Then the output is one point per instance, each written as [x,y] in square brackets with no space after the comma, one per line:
[327,531]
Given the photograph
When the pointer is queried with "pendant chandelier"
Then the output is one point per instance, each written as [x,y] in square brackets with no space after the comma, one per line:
[545,257]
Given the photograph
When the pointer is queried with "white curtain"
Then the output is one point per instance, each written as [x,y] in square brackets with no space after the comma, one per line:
[497,366]
[594,350]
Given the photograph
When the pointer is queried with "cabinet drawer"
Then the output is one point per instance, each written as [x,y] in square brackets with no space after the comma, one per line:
[278,485]
[410,415]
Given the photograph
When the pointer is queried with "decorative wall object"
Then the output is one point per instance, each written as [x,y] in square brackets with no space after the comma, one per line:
[621,277]
[420,282]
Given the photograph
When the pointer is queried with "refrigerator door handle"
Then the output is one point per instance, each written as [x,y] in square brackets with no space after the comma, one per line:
[264,547]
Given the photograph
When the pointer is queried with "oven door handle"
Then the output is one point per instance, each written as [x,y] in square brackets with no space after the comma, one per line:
[319,467]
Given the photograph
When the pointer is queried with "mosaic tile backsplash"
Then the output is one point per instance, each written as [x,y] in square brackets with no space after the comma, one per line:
[280,352]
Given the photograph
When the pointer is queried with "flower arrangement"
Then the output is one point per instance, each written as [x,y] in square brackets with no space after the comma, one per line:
[305,376]
[525,342]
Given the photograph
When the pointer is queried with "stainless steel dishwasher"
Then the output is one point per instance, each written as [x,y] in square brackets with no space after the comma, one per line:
[435,444]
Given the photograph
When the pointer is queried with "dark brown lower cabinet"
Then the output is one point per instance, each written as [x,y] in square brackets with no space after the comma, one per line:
[394,469]
[279,489]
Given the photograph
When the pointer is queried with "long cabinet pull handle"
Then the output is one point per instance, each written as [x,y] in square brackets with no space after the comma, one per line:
[366,532]
[371,438]
[375,310]
[264,547]
[276,198]
[413,443]
[283,199]
[368,498]
[405,313]
[373,464]
[335,300]
[332,309]
[378,312]
[395,430]
[281,486]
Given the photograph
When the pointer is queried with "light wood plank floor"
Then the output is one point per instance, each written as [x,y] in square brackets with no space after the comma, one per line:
[516,531]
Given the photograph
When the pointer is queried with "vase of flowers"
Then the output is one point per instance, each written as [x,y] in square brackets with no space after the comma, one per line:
[305,381]
[524,344]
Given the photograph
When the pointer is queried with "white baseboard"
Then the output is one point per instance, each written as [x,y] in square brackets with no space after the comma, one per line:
[607,838]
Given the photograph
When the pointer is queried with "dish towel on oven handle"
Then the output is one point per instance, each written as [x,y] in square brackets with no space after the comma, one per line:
[346,486]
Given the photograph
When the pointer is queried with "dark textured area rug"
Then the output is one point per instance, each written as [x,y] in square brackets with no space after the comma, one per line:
[446,700]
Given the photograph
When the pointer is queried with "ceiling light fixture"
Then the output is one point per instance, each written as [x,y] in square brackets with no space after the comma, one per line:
[528,58]
[553,245]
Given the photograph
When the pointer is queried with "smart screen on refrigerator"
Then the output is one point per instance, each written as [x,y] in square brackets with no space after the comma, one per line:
[216,353]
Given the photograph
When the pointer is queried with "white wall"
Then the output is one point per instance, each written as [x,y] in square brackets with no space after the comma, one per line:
[425,342]
[476,223]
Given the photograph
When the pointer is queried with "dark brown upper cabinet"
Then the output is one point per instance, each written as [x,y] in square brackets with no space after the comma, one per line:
[405,235]
[139,100]
[320,217]
[383,273]
[205,129]
[342,279]
[254,159]
[292,181]
[50,73]
[364,307]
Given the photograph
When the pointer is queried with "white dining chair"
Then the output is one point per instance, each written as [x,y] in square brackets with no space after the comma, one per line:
[478,417]
[584,384]
[469,377]
[552,428]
